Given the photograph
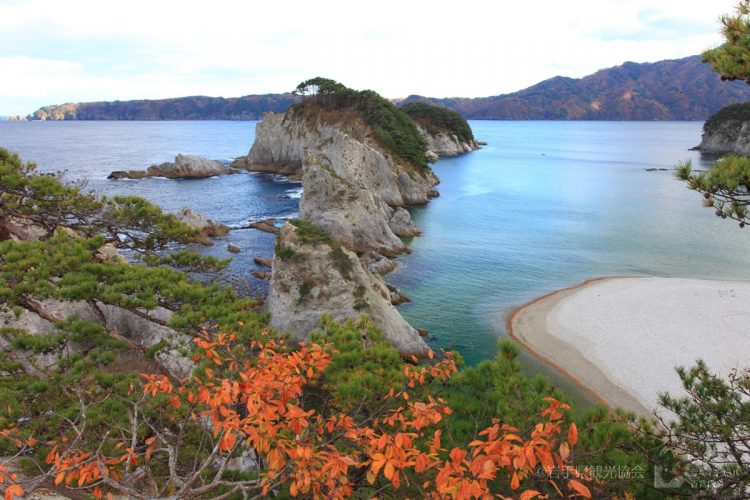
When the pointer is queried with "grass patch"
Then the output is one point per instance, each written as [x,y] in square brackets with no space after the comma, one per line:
[304,291]
[331,171]
[288,254]
[309,232]
[342,262]
[151,351]
[393,129]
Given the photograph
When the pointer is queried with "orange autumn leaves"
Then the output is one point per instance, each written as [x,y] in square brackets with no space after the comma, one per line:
[259,405]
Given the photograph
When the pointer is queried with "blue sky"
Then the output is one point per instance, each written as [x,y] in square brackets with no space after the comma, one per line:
[55,51]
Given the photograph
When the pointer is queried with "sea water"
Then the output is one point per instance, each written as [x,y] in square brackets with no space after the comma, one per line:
[544,205]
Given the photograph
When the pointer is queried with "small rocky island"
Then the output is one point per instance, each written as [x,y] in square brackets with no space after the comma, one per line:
[361,161]
[727,131]
[183,167]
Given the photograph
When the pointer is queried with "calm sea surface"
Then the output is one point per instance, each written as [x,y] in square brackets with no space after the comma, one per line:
[544,206]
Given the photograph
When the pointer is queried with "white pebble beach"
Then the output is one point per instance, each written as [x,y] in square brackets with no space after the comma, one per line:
[621,338]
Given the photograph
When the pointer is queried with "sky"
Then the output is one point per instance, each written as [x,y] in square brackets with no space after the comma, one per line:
[56,51]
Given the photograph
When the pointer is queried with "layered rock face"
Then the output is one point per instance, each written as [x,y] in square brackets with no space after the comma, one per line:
[183,167]
[355,192]
[443,143]
[351,187]
[310,279]
[726,136]
[281,140]
[143,328]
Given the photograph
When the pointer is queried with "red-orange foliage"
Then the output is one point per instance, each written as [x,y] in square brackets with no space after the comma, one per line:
[258,405]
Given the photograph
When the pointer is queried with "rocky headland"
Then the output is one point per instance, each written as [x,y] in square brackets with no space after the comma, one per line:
[183,167]
[352,216]
[353,188]
[728,131]
[447,133]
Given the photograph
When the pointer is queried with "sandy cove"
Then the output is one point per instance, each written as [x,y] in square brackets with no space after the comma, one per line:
[621,338]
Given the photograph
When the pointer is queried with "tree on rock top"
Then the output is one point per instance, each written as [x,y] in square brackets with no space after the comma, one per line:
[393,129]
[435,118]
[726,185]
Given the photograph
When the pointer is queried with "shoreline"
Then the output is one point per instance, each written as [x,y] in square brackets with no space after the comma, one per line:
[524,326]
[620,338]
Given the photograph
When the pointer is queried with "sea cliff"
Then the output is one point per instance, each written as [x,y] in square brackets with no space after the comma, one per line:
[728,131]
[351,219]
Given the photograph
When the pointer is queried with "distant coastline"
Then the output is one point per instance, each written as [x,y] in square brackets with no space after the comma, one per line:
[681,89]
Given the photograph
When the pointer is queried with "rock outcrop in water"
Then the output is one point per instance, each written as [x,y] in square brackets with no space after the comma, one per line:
[183,167]
[443,143]
[316,277]
[728,131]
[352,188]
[447,133]
[354,193]
[208,228]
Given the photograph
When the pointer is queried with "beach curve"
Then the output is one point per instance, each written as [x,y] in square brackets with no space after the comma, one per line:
[620,339]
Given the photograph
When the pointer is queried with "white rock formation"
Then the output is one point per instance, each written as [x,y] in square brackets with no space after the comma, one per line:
[355,191]
[726,136]
[310,279]
[143,328]
[282,138]
[196,220]
[444,143]
[353,215]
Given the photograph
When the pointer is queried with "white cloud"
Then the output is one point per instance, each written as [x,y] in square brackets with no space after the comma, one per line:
[81,50]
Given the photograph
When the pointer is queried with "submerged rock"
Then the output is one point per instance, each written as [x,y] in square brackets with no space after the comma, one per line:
[265,225]
[261,275]
[262,262]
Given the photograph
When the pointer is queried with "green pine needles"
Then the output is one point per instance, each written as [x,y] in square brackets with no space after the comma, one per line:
[436,119]
[391,127]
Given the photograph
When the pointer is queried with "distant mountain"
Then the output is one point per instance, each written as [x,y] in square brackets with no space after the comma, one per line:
[681,89]
[250,107]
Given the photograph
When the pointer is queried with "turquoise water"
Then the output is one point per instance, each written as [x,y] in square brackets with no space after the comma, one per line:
[547,205]
[543,206]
